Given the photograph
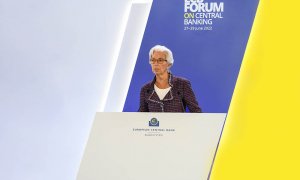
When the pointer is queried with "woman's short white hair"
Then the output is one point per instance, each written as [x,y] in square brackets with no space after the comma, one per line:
[159,48]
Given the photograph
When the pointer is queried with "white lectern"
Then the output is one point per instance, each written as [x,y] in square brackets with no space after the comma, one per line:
[151,146]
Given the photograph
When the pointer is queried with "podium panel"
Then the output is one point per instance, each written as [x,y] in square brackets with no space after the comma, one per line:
[148,146]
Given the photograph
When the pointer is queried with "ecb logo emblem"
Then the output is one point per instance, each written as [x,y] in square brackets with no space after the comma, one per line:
[153,122]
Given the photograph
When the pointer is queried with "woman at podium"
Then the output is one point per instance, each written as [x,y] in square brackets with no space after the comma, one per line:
[166,92]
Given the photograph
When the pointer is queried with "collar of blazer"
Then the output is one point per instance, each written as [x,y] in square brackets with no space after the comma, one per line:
[154,97]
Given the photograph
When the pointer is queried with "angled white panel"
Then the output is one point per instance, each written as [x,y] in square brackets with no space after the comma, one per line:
[127,56]
[54,60]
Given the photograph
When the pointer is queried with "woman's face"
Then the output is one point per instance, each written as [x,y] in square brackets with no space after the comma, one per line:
[159,63]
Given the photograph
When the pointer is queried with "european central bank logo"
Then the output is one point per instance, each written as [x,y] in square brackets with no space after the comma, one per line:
[154,122]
